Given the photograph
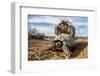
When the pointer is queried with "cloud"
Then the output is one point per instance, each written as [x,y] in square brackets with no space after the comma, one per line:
[44,19]
[46,24]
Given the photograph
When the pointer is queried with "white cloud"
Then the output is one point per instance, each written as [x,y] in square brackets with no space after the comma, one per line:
[77,22]
[45,19]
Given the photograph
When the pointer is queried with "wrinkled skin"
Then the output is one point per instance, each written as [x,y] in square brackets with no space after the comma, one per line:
[65,36]
[59,46]
[63,42]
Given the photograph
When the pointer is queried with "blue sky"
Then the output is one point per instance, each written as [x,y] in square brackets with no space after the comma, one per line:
[46,24]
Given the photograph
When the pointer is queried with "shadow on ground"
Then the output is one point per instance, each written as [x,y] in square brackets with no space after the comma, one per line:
[80,50]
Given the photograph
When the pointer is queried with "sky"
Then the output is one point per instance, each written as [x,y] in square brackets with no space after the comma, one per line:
[46,24]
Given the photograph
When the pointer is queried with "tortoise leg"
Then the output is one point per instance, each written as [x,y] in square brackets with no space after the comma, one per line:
[52,46]
[66,52]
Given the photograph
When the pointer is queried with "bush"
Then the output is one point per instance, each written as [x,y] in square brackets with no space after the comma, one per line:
[33,33]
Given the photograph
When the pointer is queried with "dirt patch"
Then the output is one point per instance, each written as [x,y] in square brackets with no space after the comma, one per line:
[37,50]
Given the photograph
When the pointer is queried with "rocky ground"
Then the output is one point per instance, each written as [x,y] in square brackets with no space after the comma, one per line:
[37,50]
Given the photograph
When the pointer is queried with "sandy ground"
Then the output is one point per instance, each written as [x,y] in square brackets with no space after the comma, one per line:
[37,50]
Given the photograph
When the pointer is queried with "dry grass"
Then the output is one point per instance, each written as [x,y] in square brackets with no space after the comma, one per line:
[37,50]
